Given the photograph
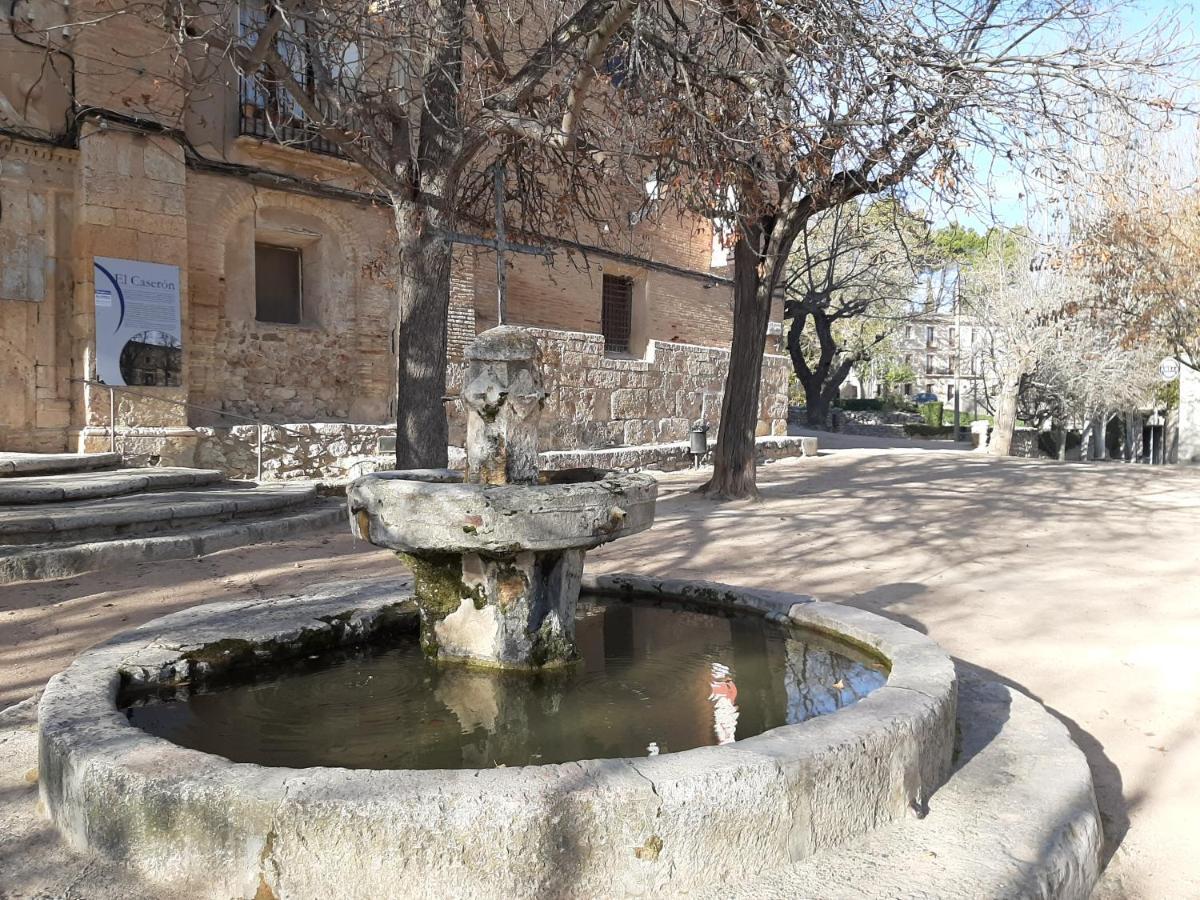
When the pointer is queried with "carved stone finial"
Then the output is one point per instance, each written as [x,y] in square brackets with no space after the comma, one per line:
[504,396]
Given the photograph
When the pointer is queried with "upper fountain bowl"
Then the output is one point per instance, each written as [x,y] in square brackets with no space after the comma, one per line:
[433,509]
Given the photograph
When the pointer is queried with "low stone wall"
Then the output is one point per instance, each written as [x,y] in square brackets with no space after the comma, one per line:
[596,400]
[331,450]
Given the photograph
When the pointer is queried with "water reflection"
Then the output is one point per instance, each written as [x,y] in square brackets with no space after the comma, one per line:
[652,679]
[723,694]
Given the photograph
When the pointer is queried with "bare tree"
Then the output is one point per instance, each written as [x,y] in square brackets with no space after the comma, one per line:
[1018,302]
[781,111]
[852,275]
[1136,230]
[430,98]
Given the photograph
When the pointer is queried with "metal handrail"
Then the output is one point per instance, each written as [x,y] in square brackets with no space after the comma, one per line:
[112,415]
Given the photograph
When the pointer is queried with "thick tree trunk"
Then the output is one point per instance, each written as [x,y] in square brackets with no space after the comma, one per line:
[1006,418]
[734,466]
[822,383]
[423,304]
[1087,450]
[1062,441]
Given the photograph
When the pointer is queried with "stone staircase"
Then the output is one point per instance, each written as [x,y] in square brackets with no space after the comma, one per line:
[64,513]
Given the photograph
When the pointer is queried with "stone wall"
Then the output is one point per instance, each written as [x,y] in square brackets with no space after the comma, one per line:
[328,450]
[597,400]
[36,190]
[594,402]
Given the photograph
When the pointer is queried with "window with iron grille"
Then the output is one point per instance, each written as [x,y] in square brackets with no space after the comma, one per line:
[616,312]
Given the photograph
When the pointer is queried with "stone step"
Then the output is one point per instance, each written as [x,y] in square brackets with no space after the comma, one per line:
[111,483]
[41,561]
[142,514]
[13,464]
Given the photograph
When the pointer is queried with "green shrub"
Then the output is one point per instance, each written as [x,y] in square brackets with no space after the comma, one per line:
[932,413]
[861,405]
[929,430]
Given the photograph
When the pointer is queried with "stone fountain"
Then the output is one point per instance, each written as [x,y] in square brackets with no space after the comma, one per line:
[305,746]
[498,556]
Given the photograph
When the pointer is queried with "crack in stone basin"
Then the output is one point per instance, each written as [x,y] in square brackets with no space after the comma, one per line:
[665,825]
[654,678]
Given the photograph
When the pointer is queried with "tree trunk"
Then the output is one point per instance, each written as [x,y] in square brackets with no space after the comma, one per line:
[823,382]
[1086,448]
[1101,436]
[1006,418]
[423,304]
[1062,441]
[734,465]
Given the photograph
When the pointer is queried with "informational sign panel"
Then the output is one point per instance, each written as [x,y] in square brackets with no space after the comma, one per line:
[138,325]
[1168,369]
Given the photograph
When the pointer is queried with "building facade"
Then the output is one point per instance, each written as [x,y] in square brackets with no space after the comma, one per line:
[286,276]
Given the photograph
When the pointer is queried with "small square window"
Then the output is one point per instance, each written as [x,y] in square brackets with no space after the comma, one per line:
[277,284]
[616,312]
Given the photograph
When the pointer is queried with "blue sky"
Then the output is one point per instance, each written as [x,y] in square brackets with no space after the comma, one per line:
[999,194]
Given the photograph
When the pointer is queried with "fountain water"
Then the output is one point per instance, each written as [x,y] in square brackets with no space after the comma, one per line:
[497,558]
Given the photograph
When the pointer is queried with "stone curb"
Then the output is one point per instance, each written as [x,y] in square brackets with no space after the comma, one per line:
[1017,819]
[93,485]
[145,512]
[42,561]
[663,825]
[55,463]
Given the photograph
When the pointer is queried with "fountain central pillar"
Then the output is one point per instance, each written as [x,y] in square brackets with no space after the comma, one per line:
[498,556]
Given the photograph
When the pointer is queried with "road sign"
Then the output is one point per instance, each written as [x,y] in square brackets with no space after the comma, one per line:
[1168,369]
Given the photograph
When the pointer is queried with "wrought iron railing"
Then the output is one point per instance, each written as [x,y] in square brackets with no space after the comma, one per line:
[266,111]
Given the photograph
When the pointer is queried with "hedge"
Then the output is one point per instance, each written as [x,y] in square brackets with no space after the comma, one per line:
[929,430]
[931,413]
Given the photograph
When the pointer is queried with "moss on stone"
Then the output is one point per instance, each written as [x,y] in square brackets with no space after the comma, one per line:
[222,653]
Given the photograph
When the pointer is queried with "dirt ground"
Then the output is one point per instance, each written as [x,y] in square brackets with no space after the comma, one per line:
[1078,584]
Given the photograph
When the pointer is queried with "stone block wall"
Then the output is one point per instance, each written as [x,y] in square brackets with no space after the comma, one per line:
[36,293]
[329,450]
[596,400]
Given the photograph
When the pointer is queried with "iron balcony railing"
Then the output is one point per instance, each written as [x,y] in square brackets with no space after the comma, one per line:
[266,111]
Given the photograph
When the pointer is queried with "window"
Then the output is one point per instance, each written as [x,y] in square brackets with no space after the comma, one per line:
[929,334]
[616,312]
[267,108]
[928,363]
[951,335]
[277,284]
[908,332]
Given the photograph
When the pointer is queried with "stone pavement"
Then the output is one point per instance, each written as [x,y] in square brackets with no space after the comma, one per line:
[1074,583]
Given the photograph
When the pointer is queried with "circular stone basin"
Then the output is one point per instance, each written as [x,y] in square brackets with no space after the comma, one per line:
[652,678]
[433,509]
[679,822]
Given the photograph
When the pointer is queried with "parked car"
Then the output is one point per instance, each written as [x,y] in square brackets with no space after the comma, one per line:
[925,398]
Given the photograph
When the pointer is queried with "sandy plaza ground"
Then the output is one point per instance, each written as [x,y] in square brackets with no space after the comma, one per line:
[1078,584]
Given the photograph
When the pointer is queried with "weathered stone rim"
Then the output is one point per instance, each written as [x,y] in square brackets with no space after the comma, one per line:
[390,510]
[113,788]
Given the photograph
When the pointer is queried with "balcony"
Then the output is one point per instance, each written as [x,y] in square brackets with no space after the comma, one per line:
[266,111]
